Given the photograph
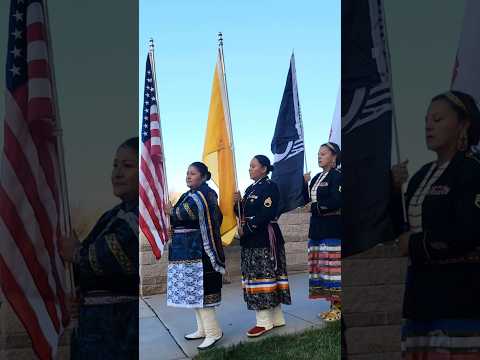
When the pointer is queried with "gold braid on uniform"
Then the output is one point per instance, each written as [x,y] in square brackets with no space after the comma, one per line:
[92,259]
[119,254]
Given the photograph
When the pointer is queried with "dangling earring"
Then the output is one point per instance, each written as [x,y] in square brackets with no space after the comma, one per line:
[462,142]
[334,163]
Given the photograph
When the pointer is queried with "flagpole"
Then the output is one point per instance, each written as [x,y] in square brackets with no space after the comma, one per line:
[151,52]
[65,206]
[299,112]
[394,114]
[230,131]
[303,134]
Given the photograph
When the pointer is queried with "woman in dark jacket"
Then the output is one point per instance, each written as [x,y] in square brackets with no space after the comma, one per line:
[263,262]
[324,244]
[196,258]
[106,271]
[442,236]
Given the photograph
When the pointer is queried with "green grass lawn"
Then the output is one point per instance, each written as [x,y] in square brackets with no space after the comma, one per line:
[314,344]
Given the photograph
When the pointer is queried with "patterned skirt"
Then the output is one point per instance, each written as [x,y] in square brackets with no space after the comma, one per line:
[324,263]
[447,339]
[191,280]
[264,287]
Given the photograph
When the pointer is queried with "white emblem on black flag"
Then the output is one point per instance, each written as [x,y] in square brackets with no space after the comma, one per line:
[288,147]
[366,126]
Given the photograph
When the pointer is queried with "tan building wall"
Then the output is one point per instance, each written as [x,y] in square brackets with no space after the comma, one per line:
[294,226]
[373,285]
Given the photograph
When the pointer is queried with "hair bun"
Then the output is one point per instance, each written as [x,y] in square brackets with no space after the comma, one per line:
[264,161]
[203,169]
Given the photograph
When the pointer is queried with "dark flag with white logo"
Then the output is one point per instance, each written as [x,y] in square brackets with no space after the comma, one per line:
[288,148]
[366,126]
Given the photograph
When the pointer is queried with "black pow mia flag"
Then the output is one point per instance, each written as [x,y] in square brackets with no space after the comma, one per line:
[288,147]
[366,126]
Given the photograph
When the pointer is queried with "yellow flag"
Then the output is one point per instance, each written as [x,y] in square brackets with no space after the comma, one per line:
[218,152]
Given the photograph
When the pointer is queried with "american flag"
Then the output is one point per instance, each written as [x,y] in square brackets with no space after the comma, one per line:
[32,275]
[153,186]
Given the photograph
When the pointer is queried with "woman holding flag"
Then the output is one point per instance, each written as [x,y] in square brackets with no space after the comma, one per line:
[196,258]
[324,244]
[263,262]
[106,271]
[441,235]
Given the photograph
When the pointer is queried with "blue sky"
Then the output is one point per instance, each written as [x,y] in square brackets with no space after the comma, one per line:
[259,37]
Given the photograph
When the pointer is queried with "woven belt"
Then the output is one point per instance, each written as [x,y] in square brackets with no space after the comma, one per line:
[103,300]
[338,212]
[183,231]
[470,259]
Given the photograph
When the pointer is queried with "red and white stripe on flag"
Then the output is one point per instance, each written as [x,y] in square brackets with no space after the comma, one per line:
[153,221]
[32,275]
[466,76]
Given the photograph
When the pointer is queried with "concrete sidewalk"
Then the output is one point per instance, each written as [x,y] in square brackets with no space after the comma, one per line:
[162,328]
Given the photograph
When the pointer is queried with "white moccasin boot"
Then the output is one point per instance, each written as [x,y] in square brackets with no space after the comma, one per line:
[278,318]
[200,333]
[213,333]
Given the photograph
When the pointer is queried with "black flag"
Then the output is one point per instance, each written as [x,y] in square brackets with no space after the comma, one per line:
[366,126]
[288,148]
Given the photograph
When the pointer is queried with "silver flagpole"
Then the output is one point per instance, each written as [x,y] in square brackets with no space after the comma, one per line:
[300,113]
[394,114]
[230,131]
[151,53]
[222,59]
[66,225]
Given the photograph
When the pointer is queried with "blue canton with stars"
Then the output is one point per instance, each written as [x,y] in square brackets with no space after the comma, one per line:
[149,99]
[16,66]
